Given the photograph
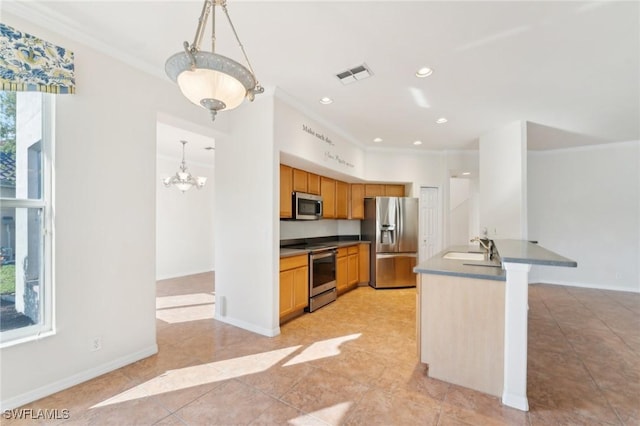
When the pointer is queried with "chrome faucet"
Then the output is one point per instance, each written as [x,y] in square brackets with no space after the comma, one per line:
[486,244]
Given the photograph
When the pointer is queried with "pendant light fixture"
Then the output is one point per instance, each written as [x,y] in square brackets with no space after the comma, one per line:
[183,180]
[207,79]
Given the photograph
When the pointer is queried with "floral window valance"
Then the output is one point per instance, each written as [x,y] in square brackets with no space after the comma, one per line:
[28,63]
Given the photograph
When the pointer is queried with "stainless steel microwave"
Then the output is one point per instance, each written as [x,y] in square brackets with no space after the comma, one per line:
[307,206]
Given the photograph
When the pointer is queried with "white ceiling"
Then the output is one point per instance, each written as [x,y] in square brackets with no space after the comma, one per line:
[572,68]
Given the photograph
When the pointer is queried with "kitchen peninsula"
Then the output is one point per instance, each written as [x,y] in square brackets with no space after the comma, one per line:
[472,316]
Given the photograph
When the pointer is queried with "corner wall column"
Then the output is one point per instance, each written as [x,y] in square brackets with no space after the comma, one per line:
[514,393]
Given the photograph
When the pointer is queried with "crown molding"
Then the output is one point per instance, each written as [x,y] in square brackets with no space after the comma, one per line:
[47,17]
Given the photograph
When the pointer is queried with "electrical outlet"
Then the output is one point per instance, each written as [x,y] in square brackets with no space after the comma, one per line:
[95,344]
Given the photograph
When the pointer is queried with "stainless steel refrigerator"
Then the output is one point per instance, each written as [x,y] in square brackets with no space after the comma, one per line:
[391,224]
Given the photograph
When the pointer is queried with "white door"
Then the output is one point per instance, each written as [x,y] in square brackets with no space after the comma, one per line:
[429,222]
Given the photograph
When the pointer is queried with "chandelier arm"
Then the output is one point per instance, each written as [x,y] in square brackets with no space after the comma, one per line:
[246,58]
[202,23]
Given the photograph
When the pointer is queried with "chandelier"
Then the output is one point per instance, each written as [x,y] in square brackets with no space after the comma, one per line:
[183,180]
[207,79]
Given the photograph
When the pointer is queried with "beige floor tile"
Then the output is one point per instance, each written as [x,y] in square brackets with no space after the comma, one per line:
[230,403]
[325,395]
[379,407]
[355,362]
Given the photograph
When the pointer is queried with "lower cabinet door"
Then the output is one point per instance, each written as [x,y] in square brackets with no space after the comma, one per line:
[353,270]
[300,288]
[287,279]
[342,278]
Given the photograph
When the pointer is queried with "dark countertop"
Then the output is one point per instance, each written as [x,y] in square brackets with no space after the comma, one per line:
[509,251]
[288,252]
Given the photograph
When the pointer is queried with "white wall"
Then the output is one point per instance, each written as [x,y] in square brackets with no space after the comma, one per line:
[422,168]
[314,141]
[105,181]
[246,220]
[503,182]
[584,203]
[184,222]
[459,211]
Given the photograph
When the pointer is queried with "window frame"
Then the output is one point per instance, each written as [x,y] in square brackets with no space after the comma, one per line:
[46,326]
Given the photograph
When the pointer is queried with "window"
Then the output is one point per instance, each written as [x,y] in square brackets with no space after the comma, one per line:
[25,216]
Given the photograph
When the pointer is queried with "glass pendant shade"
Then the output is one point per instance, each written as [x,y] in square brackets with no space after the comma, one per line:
[209,80]
[214,77]
[183,186]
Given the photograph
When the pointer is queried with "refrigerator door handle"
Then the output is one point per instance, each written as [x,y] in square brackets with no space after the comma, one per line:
[400,220]
[387,256]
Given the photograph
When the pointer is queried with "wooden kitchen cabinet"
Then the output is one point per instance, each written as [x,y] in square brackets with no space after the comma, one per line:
[342,270]
[374,190]
[300,180]
[313,183]
[353,270]
[342,200]
[363,264]
[357,201]
[294,285]
[348,268]
[286,188]
[328,193]
[394,190]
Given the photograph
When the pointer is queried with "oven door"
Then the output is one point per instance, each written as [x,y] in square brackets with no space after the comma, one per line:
[322,273]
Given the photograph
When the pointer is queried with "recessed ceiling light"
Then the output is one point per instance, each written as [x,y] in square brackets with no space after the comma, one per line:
[326,101]
[441,120]
[417,143]
[377,140]
[466,173]
[424,72]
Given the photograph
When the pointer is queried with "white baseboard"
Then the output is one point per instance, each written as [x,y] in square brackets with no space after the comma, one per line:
[67,382]
[516,401]
[248,326]
[583,285]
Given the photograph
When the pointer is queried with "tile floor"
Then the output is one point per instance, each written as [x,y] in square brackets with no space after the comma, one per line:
[354,362]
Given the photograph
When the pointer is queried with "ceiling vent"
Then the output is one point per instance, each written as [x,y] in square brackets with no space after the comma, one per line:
[354,74]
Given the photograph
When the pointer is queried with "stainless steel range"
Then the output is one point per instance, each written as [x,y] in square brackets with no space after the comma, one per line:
[322,276]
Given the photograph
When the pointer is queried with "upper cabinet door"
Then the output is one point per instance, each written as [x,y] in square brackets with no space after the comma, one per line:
[328,193]
[394,190]
[374,190]
[313,183]
[357,201]
[286,188]
[342,200]
[299,180]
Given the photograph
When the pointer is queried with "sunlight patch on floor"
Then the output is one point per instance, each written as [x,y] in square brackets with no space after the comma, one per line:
[333,415]
[186,313]
[322,349]
[203,374]
[164,302]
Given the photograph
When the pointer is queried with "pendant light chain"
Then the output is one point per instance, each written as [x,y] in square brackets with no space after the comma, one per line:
[233,28]
[213,29]
[184,164]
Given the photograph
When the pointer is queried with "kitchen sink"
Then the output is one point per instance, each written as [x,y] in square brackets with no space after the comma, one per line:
[460,255]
